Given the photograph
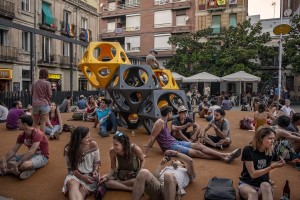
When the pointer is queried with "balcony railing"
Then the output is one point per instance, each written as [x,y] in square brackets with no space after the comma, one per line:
[67,29]
[121,7]
[45,26]
[7,9]
[8,54]
[119,10]
[173,4]
[46,58]
[85,35]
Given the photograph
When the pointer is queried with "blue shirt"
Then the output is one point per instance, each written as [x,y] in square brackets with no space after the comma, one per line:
[81,104]
[102,113]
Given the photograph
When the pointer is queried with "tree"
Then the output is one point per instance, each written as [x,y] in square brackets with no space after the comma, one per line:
[291,46]
[237,48]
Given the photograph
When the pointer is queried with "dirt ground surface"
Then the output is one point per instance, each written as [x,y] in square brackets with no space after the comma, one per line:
[46,183]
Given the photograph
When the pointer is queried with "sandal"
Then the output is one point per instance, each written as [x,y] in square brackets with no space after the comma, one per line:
[234,155]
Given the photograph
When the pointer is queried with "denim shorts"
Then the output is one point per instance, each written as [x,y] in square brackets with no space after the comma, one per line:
[181,146]
[41,109]
[38,160]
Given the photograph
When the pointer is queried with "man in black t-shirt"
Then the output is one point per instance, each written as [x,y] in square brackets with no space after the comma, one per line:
[181,124]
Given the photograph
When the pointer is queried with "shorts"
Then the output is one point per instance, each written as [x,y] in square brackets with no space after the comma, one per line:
[38,160]
[40,109]
[242,183]
[181,146]
[217,139]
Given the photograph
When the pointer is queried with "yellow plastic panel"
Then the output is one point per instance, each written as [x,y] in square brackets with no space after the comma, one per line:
[166,74]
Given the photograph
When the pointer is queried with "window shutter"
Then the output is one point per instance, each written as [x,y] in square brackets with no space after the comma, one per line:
[163,18]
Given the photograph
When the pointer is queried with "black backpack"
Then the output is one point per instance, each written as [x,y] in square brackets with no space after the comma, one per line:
[219,188]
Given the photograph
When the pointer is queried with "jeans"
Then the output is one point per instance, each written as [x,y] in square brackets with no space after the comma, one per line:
[110,123]
[50,131]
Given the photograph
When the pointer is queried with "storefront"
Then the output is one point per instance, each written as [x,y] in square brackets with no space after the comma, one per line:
[5,80]
[82,85]
[55,80]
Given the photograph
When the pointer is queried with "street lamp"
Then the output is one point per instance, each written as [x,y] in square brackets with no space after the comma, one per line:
[280,52]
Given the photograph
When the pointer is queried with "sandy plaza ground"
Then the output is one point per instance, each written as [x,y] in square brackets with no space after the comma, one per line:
[46,183]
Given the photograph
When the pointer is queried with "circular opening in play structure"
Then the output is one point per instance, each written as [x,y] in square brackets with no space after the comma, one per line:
[136,97]
[96,53]
[120,100]
[148,107]
[115,80]
[123,56]
[155,81]
[106,53]
[164,78]
[135,76]
[133,118]
[104,71]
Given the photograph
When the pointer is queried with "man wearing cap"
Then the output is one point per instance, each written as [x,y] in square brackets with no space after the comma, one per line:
[181,124]
[166,141]
[81,103]
[151,60]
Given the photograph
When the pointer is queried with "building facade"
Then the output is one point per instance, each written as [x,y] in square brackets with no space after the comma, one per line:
[140,26]
[76,19]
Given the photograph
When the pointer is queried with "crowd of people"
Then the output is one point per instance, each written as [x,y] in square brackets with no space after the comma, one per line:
[275,142]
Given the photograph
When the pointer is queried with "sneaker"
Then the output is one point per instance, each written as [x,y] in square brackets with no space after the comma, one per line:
[113,130]
[26,174]
[220,147]
[103,134]
[54,136]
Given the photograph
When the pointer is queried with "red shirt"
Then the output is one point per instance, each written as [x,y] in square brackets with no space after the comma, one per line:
[36,136]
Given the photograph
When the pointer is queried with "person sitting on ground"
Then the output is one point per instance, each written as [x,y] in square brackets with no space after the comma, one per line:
[222,132]
[258,160]
[13,116]
[91,106]
[168,182]
[54,124]
[212,108]
[65,106]
[203,107]
[28,110]
[181,124]
[226,104]
[3,112]
[126,160]
[294,123]
[37,156]
[245,106]
[255,104]
[261,116]
[83,161]
[151,60]
[161,133]
[106,118]
[247,123]
[81,104]
[286,109]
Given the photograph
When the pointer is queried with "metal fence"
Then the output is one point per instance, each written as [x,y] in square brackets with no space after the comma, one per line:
[7,98]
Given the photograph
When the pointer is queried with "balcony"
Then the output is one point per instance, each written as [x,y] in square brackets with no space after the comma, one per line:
[212,6]
[181,29]
[173,4]
[67,29]
[7,9]
[119,32]
[85,35]
[119,10]
[8,54]
[47,59]
[46,26]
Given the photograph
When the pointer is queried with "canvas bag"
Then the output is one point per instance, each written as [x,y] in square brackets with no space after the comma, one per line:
[219,188]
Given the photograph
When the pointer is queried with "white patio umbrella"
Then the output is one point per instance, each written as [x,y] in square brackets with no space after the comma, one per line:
[202,77]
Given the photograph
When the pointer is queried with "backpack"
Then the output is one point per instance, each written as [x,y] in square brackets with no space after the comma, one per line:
[219,188]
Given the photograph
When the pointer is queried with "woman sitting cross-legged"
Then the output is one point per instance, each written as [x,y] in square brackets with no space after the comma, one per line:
[130,159]
[54,124]
[83,160]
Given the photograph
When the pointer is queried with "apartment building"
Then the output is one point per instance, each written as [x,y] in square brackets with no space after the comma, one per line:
[140,26]
[220,14]
[76,19]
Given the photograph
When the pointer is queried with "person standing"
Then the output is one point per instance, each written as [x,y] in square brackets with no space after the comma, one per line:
[41,94]
[206,90]
[3,113]
[151,60]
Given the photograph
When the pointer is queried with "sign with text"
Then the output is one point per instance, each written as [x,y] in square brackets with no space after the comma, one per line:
[6,74]
[54,76]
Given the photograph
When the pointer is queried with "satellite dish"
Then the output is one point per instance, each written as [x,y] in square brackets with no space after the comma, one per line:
[287,12]
[101,5]
[187,18]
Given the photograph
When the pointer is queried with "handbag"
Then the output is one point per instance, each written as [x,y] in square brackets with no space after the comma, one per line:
[126,174]
[219,188]
[100,192]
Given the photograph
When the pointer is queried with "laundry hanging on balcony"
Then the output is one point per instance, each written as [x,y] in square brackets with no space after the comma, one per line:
[48,18]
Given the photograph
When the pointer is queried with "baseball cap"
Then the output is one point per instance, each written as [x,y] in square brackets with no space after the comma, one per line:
[153,50]
[181,109]
[81,96]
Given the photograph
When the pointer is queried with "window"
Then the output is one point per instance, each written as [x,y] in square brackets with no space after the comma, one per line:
[46,48]
[181,18]
[163,18]
[112,6]
[111,25]
[26,73]
[84,23]
[3,37]
[216,23]
[132,43]
[47,17]
[161,42]
[25,5]
[133,22]
[67,16]
[232,20]
[66,48]
[26,41]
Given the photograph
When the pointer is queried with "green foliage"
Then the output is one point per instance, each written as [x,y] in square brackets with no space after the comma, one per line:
[234,50]
[291,45]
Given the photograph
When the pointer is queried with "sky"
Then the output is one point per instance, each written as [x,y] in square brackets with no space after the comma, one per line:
[264,8]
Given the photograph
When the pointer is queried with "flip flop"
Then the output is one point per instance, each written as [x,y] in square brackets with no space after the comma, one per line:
[26,174]
[233,156]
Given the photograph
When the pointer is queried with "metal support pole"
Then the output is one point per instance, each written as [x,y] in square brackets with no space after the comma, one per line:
[71,69]
[32,57]
[280,53]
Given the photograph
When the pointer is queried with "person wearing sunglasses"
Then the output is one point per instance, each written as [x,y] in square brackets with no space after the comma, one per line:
[166,182]
[127,160]
[166,141]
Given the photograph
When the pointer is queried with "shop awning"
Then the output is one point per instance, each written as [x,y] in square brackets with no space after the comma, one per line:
[47,14]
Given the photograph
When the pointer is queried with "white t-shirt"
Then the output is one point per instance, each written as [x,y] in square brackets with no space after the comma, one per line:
[3,113]
[286,110]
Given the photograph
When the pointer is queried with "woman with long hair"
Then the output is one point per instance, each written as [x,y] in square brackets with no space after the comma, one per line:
[91,106]
[83,160]
[258,160]
[130,159]
[261,116]
[54,124]
[41,94]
